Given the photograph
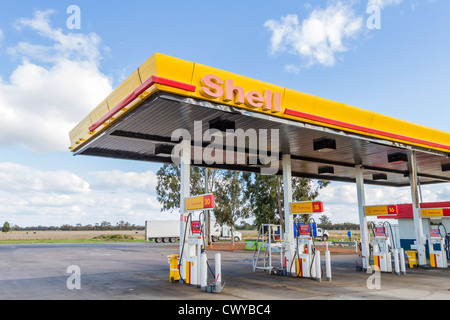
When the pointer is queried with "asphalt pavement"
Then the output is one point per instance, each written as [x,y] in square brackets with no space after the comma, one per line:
[140,271]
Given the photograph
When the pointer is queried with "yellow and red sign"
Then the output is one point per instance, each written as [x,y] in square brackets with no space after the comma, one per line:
[213,87]
[200,202]
[169,74]
[381,210]
[435,212]
[307,207]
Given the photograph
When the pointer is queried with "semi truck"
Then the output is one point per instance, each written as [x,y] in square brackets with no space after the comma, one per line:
[168,231]
[322,234]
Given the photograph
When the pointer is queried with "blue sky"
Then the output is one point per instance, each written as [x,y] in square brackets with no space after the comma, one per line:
[51,77]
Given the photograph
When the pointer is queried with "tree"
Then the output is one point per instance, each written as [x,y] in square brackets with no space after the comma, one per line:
[261,192]
[230,200]
[6,228]
[122,225]
[304,189]
[325,222]
[168,187]
[105,225]
[265,194]
[238,194]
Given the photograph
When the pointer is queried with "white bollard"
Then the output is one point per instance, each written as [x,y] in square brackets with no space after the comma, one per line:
[318,266]
[327,262]
[402,261]
[218,268]
[203,272]
[396,264]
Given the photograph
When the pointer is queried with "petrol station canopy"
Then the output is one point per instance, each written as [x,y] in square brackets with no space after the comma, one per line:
[325,139]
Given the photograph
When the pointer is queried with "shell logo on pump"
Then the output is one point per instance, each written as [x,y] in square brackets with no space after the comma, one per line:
[381,210]
[307,207]
[200,202]
[435,212]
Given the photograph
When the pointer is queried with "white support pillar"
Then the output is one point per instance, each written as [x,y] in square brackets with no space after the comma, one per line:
[318,266]
[402,261]
[327,262]
[418,229]
[185,187]
[362,216]
[288,222]
[396,261]
[203,272]
[218,269]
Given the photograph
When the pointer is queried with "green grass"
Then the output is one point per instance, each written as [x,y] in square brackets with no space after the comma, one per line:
[93,240]
[114,237]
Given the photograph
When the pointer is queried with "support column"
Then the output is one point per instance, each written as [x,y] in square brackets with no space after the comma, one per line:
[418,228]
[288,222]
[362,216]
[208,212]
[185,188]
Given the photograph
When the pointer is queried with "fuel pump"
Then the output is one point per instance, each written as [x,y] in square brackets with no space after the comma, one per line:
[437,247]
[382,248]
[193,263]
[194,252]
[304,256]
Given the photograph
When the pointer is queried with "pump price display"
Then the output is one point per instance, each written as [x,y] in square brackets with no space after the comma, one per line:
[307,207]
[200,202]
[435,212]
[381,210]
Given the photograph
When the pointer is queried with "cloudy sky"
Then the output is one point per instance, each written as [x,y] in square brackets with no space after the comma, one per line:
[388,56]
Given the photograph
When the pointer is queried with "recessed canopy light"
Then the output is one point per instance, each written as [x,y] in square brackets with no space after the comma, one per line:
[397,157]
[380,176]
[163,150]
[324,145]
[222,125]
[324,170]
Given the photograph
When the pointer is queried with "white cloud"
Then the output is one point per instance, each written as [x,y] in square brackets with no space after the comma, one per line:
[291,68]
[53,87]
[66,46]
[318,38]
[383,3]
[31,197]
[131,181]
[20,179]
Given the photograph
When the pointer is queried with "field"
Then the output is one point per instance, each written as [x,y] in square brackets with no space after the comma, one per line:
[135,235]
[69,236]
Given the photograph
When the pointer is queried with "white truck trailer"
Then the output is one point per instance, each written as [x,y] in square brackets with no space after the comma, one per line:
[162,231]
[169,231]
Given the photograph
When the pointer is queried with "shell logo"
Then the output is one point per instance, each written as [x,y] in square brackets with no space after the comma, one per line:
[214,87]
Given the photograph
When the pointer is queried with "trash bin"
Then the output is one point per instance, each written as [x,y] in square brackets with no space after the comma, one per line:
[174,270]
[412,258]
